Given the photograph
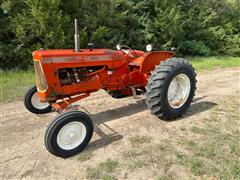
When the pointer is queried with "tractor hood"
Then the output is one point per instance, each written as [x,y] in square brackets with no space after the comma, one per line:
[86,57]
[70,56]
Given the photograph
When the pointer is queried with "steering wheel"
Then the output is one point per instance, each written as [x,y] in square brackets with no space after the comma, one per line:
[127,50]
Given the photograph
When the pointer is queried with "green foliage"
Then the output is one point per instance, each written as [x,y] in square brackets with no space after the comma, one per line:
[39,24]
[203,63]
[194,27]
[195,48]
[13,84]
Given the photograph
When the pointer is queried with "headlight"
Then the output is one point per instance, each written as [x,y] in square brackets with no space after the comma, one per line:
[41,81]
[118,47]
[149,48]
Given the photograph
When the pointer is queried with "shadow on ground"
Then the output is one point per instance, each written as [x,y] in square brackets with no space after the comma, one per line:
[120,112]
[198,106]
[109,115]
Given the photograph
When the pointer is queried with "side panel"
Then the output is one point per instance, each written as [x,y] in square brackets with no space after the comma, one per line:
[150,60]
[53,60]
[56,89]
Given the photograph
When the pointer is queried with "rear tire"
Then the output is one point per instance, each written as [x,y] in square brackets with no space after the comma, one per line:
[171,88]
[69,133]
[33,104]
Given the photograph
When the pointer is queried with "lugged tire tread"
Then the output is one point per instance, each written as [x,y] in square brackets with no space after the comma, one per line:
[156,83]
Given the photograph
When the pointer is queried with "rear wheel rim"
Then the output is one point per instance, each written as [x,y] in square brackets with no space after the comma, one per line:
[37,103]
[178,91]
[71,135]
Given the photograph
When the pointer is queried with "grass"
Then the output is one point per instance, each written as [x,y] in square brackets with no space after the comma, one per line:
[138,140]
[148,155]
[14,83]
[209,150]
[196,166]
[210,63]
[105,170]
[198,130]
[85,155]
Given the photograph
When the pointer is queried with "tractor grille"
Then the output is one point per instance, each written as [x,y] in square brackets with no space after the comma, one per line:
[40,77]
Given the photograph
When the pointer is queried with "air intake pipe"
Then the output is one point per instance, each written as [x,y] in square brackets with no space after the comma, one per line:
[76,36]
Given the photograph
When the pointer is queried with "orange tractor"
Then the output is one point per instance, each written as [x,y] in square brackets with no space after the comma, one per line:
[66,76]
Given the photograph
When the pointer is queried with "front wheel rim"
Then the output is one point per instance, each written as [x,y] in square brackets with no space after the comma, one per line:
[71,135]
[37,103]
[178,91]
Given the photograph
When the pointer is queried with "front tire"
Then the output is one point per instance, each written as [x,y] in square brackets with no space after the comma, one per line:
[33,104]
[69,133]
[171,88]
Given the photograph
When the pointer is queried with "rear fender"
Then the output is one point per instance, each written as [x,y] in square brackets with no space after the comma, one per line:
[150,60]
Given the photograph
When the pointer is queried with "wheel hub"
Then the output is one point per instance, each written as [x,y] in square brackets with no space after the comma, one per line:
[37,103]
[71,135]
[178,91]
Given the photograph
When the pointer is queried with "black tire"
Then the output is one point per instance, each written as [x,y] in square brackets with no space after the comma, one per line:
[28,102]
[159,82]
[58,123]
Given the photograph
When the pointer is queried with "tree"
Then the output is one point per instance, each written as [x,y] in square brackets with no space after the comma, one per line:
[194,27]
[39,24]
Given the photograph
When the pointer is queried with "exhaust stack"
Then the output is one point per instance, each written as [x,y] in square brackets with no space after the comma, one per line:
[76,36]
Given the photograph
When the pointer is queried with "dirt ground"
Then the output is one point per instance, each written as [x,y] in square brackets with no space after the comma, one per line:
[23,154]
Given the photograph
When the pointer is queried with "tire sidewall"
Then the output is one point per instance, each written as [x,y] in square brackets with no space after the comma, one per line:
[181,69]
